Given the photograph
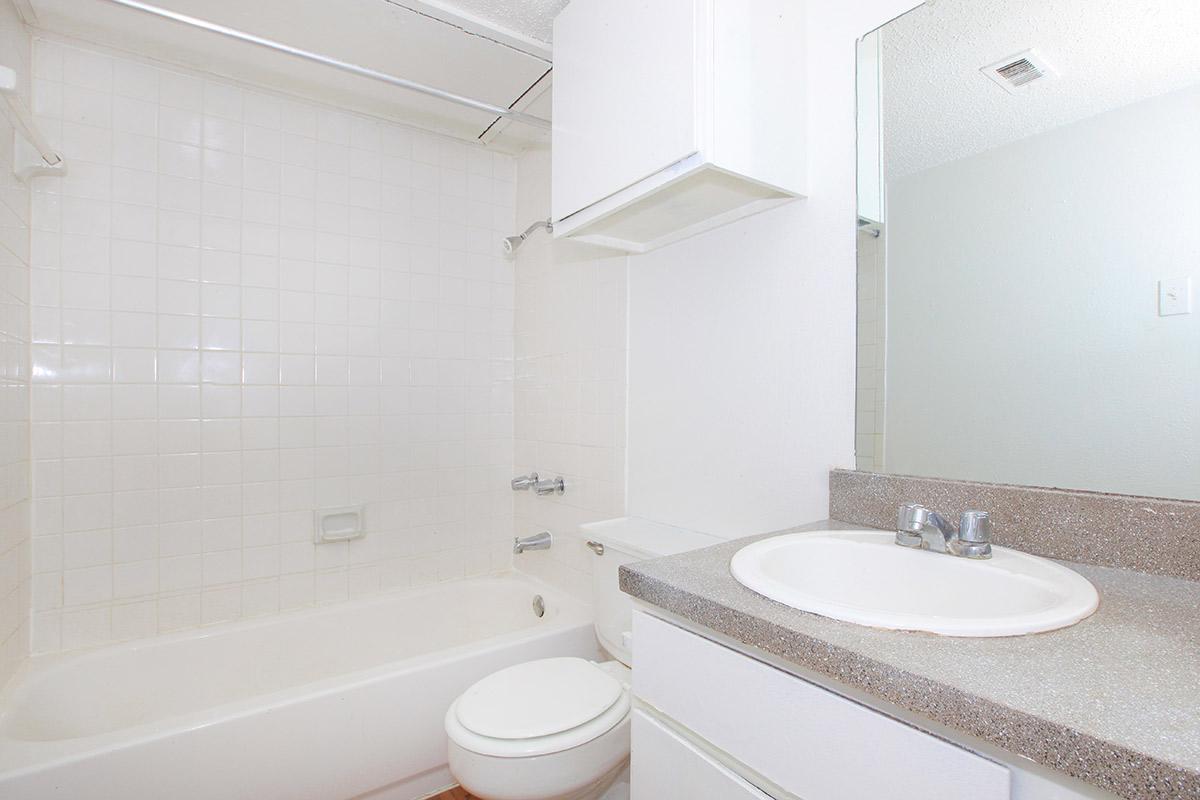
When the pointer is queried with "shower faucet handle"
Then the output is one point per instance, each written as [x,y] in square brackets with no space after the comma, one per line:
[555,486]
[523,483]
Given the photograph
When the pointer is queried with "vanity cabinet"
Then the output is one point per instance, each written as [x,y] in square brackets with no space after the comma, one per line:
[714,714]
[668,766]
[674,116]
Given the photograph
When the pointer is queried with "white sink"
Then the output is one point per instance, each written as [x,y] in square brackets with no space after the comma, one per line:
[864,577]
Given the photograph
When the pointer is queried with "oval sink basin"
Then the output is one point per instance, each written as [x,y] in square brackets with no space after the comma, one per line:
[864,577]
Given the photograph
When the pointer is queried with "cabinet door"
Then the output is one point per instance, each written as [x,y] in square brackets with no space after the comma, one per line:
[626,78]
[666,767]
[801,737]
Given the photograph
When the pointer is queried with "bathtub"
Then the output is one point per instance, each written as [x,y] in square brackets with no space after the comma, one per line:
[339,702]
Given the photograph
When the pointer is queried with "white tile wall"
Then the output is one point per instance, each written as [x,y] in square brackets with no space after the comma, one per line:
[14,370]
[870,397]
[245,307]
[570,384]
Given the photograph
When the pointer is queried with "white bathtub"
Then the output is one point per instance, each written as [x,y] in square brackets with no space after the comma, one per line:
[327,704]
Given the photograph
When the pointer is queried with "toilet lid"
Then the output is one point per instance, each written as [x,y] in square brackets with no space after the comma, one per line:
[537,698]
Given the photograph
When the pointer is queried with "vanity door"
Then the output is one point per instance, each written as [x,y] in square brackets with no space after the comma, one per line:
[810,742]
[665,766]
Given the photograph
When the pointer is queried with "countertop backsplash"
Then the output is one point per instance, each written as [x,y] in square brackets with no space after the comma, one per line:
[1147,534]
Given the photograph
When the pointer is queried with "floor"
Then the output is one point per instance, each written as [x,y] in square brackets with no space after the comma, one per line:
[457,793]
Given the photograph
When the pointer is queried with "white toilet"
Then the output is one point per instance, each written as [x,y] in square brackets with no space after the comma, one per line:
[558,728]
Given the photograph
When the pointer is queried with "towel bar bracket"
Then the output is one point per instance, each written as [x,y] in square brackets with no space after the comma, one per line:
[28,163]
[32,153]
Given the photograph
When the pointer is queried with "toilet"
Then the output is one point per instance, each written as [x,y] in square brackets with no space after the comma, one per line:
[558,728]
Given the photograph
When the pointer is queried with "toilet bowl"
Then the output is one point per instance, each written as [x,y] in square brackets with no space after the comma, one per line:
[551,729]
[558,728]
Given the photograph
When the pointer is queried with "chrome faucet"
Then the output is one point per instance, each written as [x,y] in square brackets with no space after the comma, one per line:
[919,527]
[539,541]
[523,483]
[555,486]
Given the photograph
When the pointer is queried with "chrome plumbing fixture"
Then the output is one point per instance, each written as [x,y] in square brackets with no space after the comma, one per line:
[918,527]
[511,243]
[539,541]
[554,486]
[523,483]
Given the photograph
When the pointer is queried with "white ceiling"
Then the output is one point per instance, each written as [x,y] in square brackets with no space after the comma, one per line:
[413,39]
[532,18]
[938,107]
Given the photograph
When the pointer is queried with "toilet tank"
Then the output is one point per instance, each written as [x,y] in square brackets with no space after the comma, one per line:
[625,540]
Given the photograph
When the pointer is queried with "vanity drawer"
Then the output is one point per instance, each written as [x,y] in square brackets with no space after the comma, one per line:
[805,739]
[664,766]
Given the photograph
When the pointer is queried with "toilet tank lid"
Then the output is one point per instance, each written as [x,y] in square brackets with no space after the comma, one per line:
[645,538]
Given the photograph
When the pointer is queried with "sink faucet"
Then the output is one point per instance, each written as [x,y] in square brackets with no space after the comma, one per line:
[917,526]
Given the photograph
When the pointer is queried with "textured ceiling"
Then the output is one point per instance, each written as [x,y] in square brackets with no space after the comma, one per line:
[938,107]
[533,18]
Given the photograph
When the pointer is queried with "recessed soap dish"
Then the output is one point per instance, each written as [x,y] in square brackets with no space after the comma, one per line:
[338,524]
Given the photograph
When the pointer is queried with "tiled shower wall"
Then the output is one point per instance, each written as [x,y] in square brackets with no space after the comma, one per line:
[569,385]
[14,369]
[247,307]
[870,397]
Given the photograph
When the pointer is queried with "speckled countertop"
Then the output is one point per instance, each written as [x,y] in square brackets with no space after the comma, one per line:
[1113,700]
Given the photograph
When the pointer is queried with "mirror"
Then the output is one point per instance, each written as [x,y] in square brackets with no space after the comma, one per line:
[1029,245]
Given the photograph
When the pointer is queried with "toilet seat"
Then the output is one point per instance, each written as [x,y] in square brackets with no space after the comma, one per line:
[538,707]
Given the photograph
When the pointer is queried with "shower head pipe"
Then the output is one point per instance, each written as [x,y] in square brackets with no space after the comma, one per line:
[511,243]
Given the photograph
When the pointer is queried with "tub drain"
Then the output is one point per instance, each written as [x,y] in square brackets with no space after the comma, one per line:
[539,605]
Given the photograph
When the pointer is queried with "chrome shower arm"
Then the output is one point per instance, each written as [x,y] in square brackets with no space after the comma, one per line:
[541,223]
[511,243]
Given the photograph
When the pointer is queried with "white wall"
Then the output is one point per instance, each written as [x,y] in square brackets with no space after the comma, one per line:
[1024,342]
[14,368]
[741,340]
[248,307]
[569,385]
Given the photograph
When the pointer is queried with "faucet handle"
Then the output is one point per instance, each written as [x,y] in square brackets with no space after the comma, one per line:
[911,517]
[523,482]
[975,527]
[555,486]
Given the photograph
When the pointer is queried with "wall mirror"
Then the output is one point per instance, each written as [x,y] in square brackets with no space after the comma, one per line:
[1029,245]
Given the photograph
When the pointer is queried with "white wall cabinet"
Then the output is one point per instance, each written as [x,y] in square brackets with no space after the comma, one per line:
[672,117]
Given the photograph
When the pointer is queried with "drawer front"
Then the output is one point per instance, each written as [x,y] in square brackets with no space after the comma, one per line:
[805,739]
[666,767]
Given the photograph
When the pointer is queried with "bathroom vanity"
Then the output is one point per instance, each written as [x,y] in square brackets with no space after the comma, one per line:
[763,701]
[766,728]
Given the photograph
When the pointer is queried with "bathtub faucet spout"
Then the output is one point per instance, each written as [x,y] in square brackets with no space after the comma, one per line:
[539,541]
